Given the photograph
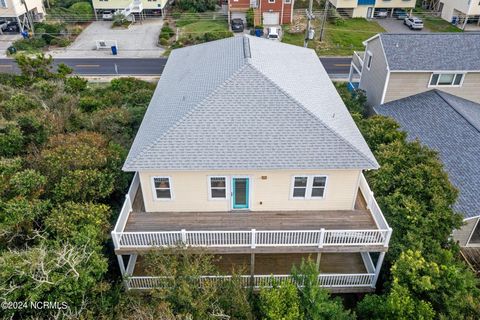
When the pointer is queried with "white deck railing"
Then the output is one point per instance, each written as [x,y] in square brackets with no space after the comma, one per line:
[336,280]
[253,238]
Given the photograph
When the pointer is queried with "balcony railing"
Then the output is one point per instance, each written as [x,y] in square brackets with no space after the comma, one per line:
[334,280]
[253,238]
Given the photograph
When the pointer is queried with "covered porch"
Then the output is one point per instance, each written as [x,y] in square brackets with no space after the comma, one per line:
[340,272]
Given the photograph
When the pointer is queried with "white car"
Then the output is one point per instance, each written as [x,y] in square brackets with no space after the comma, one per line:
[273,33]
[413,23]
[107,15]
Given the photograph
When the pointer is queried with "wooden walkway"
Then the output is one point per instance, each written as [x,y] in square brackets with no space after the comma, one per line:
[357,219]
[266,264]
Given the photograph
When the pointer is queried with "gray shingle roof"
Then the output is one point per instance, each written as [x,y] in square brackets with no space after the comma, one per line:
[432,51]
[247,103]
[450,125]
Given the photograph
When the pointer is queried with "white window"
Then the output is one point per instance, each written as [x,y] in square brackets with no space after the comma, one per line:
[308,187]
[288,1]
[218,187]
[446,79]
[271,1]
[3,3]
[162,188]
[369,60]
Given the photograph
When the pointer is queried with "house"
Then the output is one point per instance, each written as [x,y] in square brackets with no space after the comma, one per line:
[451,126]
[252,155]
[370,8]
[23,13]
[266,12]
[132,9]
[395,66]
[464,13]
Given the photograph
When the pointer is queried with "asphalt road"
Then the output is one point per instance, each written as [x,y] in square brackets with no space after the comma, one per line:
[336,67]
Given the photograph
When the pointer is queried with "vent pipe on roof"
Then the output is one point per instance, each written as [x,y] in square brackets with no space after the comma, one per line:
[246,47]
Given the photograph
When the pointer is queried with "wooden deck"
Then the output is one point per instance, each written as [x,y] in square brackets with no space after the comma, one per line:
[472,257]
[357,219]
[266,264]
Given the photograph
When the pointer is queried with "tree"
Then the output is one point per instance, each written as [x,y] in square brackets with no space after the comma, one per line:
[40,67]
[315,302]
[280,302]
[189,296]
[196,5]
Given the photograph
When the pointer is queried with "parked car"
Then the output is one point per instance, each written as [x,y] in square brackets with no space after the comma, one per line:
[400,14]
[382,13]
[273,33]
[107,15]
[12,26]
[3,25]
[237,25]
[413,23]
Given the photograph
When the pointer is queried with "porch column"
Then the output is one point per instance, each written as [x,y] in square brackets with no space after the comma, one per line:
[252,269]
[350,74]
[377,268]
[465,22]
[319,257]
[121,264]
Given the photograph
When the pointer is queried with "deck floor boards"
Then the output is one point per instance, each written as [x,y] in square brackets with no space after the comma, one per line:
[266,264]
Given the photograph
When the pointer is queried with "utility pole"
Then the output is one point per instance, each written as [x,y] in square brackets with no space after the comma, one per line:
[325,15]
[309,19]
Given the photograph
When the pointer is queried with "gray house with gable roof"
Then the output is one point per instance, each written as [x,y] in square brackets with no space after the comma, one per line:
[252,156]
[395,66]
[451,126]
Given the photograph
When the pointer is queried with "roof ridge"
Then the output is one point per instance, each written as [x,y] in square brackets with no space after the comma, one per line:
[312,114]
[186,115]
[441,93]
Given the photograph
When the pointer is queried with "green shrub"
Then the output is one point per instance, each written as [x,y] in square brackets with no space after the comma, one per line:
[11,139]
[163,42]
[250,18]
[196,5]
[82,11]
[28,183]
[166,32]
[212,36]
[29,44]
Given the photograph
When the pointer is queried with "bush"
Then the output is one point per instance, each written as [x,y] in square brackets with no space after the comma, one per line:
[250,18]
[82,11]
[29,44]
[212,36]
[166,32]
[163,42]
[280,302]
[196,5]
[11,139]
[75,84]
[28,183]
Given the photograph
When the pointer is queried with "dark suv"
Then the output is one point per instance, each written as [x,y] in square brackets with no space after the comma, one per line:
[237,25]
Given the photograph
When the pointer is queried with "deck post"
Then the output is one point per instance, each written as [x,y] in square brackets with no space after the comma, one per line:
[121,264]
[184,236]
[252,269]
[253,244]
[319,257]
[377,268]
[321,238]
[387,238]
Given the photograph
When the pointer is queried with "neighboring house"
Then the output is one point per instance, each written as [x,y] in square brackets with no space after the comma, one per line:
[22,12]
[395,66]
[370,8]
[451,126]
[266,12]
[138,9]
[461,12]
[252,155]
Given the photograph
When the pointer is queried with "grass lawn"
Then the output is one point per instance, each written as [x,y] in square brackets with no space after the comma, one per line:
[202,26]
[339,39]
[434,24]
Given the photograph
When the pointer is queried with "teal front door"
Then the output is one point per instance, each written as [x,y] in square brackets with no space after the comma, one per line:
[240,193]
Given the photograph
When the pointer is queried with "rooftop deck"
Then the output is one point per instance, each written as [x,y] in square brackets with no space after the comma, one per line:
[361,229]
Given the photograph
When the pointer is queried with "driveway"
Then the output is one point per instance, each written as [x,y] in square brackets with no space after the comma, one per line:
[6,41]
[138,41]
[393,25]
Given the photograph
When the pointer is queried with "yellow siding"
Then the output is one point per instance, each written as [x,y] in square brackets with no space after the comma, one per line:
[361,11]
[122,4]
[404,84]
[190,191]
[16,8]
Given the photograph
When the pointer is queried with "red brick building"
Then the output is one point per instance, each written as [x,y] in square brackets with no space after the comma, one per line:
[266,12]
